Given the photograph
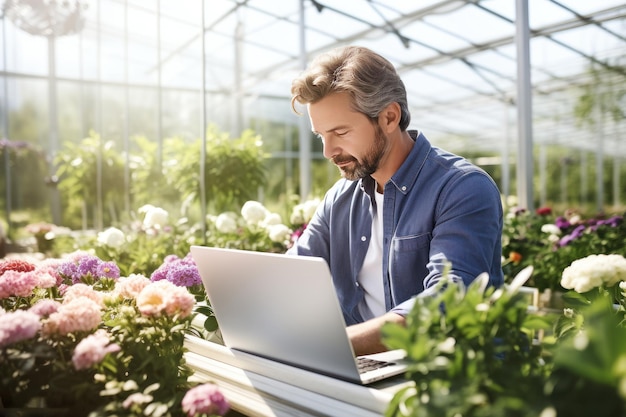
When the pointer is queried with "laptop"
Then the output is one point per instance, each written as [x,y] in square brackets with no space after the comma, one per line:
[285,308]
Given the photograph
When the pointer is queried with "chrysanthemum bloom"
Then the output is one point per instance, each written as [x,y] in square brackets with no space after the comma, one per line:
[226,223]
[279,233]
[17,265]
[181,272]
[544,211]
[45,307]
[550,228]
[80,314]
[204,399]
[92,349]
[302,213]
[131,286]
[82,290]
[51,267]
[163,297]
[107,270]
[180,302]
[20,284]
[112,237]
[271,219]
[18,325]
[594,271]
[85,265]
[44,279]
[156,217]
[253,212]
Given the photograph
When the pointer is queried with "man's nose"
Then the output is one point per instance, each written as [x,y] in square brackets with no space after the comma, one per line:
[330,149]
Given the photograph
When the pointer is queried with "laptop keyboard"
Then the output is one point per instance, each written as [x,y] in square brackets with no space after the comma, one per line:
[368,364]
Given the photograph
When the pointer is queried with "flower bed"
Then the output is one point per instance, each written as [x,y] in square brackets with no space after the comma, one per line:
[77,336]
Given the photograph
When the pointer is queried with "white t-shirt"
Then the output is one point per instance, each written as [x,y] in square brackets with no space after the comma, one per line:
[370,278]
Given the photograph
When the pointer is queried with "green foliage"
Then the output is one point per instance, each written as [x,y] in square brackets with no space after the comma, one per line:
[144,250]
[85,170]
[28,176]
[147,176]
[234,168]
[600,96]
[470,354]
[589,362]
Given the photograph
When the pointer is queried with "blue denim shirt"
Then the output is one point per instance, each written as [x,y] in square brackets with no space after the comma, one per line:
[437,208]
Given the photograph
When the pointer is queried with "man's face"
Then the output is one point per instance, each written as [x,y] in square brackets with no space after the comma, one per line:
[351,141]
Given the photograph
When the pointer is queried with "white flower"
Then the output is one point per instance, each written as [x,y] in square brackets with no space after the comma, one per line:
[272,219]
[575,219]
[551,229]
[594,271]
[112,237]
[279,233]
[553,238]
[447,346]
[511,201]
[226,223]
[302,213]
[155,217]
[145,208]
[622,287]
[253,212]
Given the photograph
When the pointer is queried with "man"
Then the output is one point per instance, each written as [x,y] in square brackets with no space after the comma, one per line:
[403,210]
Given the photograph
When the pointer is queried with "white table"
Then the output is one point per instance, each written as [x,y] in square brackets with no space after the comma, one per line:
[256,386]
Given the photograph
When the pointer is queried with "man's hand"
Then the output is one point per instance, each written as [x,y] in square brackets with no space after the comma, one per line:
[366,338]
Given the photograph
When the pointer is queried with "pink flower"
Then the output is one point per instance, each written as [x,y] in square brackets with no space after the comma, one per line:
[80,314]
[205,399]
[164,297]
[44,279]
[180,302]
[92,349]
[51,266]
[17,283]
[131,286]
[17,326]
[82,290]
[45,307]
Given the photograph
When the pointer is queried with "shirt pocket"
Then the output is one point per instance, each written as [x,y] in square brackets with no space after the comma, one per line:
[407,263]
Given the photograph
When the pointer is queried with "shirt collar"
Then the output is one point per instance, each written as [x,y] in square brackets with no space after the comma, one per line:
[406,176]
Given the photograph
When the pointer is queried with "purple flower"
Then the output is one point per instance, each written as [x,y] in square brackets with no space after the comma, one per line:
[107,270]
[88,266]
[69,270]
[204,399]
[181,272]
[562,223]
[613,221]
[184,275]
[576,233]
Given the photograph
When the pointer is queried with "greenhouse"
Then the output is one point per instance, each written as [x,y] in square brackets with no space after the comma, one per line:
[131,131]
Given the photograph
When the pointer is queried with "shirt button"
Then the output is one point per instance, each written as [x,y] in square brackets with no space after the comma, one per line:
[404,188]
[363,238]
[356,283]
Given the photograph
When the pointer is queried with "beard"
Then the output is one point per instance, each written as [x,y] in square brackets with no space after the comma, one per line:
[370,161]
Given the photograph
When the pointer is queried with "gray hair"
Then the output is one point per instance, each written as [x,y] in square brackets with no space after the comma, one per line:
[370,79]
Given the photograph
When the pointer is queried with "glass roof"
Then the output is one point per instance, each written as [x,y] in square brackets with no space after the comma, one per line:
[457,57]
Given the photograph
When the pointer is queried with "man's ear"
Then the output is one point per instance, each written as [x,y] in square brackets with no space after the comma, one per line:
[389,118]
